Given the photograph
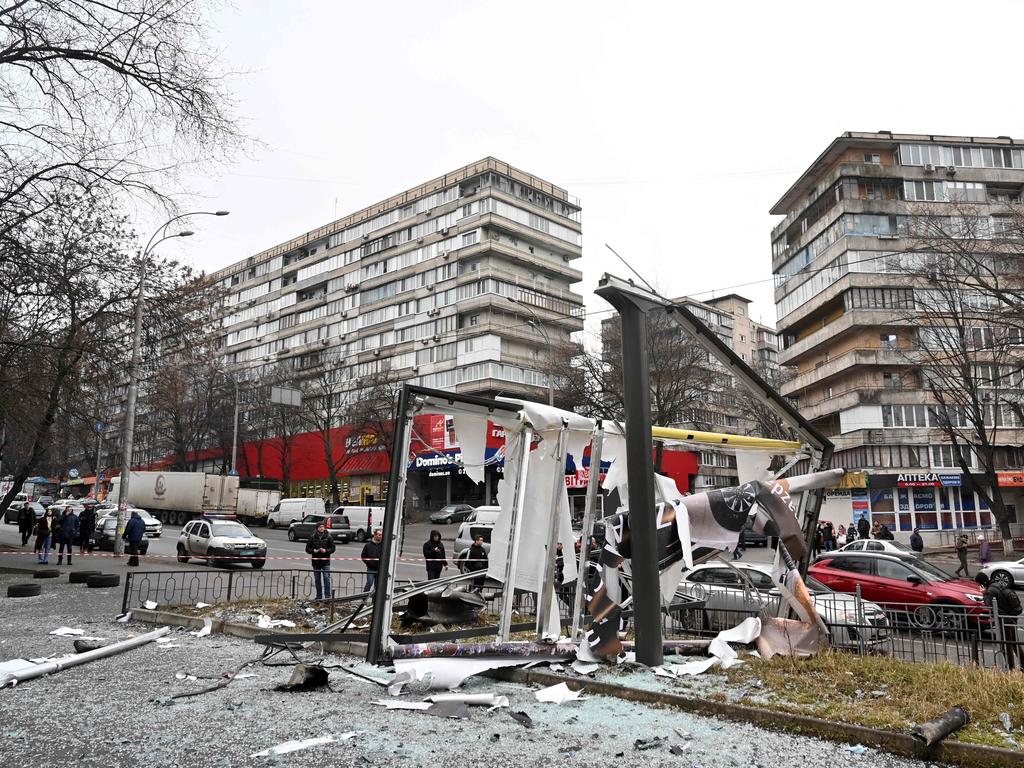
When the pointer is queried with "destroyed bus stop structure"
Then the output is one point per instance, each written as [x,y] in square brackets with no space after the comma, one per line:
[533,492]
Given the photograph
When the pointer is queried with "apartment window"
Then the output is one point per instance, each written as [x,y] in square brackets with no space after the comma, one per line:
[904,416]
[879,298]
[872,159]
[945,456]
[892,381]
[474,320]
[888,340]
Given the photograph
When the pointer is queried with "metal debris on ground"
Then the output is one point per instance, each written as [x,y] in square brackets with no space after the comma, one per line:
[67,632]
[453,709]
[942,726]
[490,700]
[84,644]
[522,718]
[294,746]
[206,630]
[305,677]
[679,749]
[557,694]
[400,704]
[652,743]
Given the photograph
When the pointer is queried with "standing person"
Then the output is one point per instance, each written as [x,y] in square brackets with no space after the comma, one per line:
[371,558]
[320,547]
[44,537]
[66,535]
[884,533]
[830,536]
[819,540]
[26,522]
[863,527]
[984,552]
[134,533]
[841,535]
[86,525]
[433,551]
[737,553]
[961,553]
[476,560]
[1000,598]
[916,542]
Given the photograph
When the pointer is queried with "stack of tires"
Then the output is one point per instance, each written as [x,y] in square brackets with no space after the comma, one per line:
[92,579]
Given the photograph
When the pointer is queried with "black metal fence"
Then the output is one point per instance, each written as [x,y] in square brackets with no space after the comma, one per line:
[224,586]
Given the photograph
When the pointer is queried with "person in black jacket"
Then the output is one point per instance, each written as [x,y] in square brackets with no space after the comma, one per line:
[134,533]
[26,522]
[320,547]
[863,528]
[916,541]
[86,525]
[66,535]
[433,552]
[1002,600]
[371,558]
[476,560]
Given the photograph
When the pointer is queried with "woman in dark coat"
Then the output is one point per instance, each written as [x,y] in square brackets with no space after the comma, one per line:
[86,525]
[433,552]
[45,530]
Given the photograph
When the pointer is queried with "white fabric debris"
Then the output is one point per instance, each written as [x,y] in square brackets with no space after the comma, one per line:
[443,673]
[582,667]
[265,622]
[67,631]
[294,746]
[124,618]
[399,704]
[149,605]
[202,605]
[207,629]
[721,653]
[557,694]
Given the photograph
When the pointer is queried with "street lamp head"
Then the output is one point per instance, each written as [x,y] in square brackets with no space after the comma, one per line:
[221,213]
[186,233]
[512,299]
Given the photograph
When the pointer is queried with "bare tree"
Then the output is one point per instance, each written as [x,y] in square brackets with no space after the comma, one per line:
[326,409]
[967,315]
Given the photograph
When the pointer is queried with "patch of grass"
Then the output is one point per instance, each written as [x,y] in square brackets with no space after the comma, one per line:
[826,686]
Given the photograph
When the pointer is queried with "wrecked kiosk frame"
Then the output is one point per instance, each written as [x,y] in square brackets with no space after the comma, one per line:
[633,305]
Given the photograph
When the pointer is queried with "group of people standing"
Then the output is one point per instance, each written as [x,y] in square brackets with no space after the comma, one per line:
[62,533]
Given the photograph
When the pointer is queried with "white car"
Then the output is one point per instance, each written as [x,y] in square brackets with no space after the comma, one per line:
[877,545]
[154,528]
[221,541]
[1008,572]
[731,594]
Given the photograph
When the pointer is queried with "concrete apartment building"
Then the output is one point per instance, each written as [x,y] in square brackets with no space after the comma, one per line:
[844,299]
[456,284]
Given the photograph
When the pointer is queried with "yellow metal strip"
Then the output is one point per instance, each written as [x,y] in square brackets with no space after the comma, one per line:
[721,438]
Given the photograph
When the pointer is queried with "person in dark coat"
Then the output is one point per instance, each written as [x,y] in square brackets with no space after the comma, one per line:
[320,547]
[863,528]
[66,535]
[134,533]
[26,522]
[476,560]
[45,529]
[829,534]
[1002,600]
[916,542]
[86,525]
[371,558]
[961,553]
[433,552]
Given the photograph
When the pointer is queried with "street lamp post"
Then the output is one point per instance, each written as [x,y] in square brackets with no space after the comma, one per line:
[127,443]
[536,323]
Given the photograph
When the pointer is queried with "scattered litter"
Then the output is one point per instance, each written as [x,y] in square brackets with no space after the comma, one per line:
[203,605]
[168,645]
[305,677]
[67,631]
[124,618]
[400,704]
[679,749]
[583,667]
[686,735]
[184,676]
[557,694]
[857,749]
[662,672]
[164,701]
[878,694]
[245,675]
[444,673]
[491,700]
[452,709]
[934,731]
[162,640]
[150,605]
[555,667]
[522,718]
[294,746]
[83,644]
[495,737]
[652,743]
[100,639]
[265,622]
[207,629]
[1004,718]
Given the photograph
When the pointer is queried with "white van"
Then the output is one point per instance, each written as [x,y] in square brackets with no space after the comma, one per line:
[289,511]
[362,519]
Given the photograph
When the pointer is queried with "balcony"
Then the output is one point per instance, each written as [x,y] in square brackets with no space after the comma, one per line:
[842,364]
[854,319]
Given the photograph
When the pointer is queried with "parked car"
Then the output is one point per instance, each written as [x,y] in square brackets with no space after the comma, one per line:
[1008,572]
[154,528]
[290,511]
[218,541]
[105,533]
[11,515]
[752,538]
[46,501]
[730,597]
[453,513]
[361,518]
[337,525]
[906,586]
[877,545]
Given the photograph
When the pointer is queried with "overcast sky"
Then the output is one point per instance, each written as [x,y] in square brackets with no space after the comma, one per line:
[677,125]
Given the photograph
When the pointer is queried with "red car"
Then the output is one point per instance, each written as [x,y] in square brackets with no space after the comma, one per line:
[905,585]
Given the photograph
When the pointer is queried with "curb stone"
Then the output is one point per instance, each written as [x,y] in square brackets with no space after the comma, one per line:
[893,742]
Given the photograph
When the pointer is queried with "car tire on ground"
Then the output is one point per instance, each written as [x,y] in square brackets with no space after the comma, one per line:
[292,536]
[103,580]
[1002,577]
[257,564]
[182,555]
[46,573]
[24,590]
[81,577]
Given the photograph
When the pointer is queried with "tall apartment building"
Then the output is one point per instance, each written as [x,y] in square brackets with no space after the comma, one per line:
[444,284]
[845,297]
[755,342]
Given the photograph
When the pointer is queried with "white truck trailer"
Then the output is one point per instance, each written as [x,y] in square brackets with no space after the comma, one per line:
[177,497]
